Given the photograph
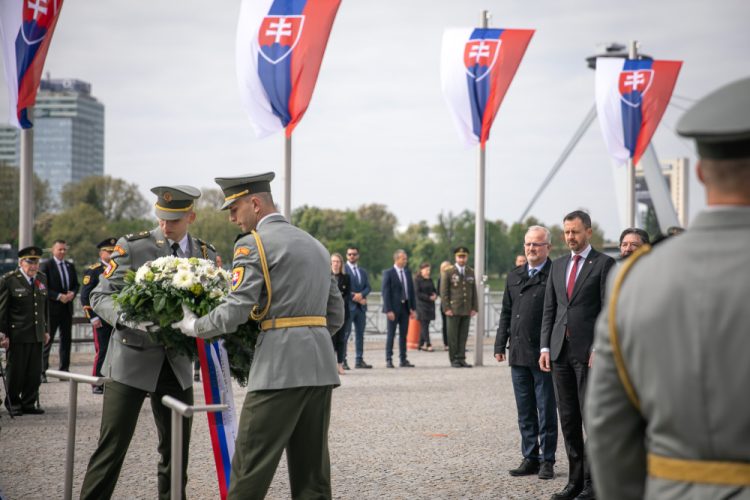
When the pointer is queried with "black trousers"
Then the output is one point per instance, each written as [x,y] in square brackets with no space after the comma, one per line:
[424,333]
[569,377]
[402,322]
[24,373]
[60,318]
[101,341]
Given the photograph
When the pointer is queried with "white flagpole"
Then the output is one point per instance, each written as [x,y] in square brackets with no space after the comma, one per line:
[25,195]
[479,243]
[288,178]
[630,183]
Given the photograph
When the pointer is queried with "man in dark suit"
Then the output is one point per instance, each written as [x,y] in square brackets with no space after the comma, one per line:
[572,302]
[360,289]
[63,287]
[520,324]
[399,304]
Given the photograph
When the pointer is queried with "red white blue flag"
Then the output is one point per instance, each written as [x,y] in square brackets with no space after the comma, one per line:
[477,67]
[280,46]
[26,28]
[631,97]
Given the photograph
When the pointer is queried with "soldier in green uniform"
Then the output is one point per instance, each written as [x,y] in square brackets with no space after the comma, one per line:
[102,329]
[137,364]
[23,320]
[281,277]
[458,293]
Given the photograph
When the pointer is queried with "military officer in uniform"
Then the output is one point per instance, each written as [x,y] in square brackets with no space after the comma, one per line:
[137,364]
[281,277]
[23,320]
[458,293]
[102,329]
[668,414]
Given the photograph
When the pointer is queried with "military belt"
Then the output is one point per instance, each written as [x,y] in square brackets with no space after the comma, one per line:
[699,471]
[272,324]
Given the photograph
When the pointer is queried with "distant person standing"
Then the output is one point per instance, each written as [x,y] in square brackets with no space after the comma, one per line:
[520,260]
[631,239]
[360,289]
[63,287]
[23,320]
[458,292]
[399,304]
[102,329]
[343,281]
[668,414]
[426,297]
[444,321]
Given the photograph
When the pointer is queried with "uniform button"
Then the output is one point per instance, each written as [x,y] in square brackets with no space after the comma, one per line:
[520,293]
[518,315]
[124,341]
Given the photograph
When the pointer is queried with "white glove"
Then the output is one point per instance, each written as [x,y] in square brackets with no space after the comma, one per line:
[187,324]
[135,325]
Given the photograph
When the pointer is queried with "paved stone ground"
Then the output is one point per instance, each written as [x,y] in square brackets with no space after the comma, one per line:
[429,432]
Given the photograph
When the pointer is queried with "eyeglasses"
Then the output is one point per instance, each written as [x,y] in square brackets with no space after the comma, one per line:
[352,254]
[535,245]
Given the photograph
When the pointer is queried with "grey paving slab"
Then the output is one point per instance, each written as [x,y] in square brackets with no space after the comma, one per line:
[429,432]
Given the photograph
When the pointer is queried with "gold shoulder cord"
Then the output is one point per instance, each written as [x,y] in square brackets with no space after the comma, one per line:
[204,250]
[613,336]
[254,314]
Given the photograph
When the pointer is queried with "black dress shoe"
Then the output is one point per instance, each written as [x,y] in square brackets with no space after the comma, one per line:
[97,389]
[456,364]
[587,493]
[389,364]
[196,377]
[465,364]
[44,378]
[30,410]
[568,493]
[547,470]
[346,366]
[527,468]
[362,364]
[14,411]
[405,364]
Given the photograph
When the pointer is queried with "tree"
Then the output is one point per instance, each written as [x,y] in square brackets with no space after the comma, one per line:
[82,227]
[9,193]
[213,226]
[116,199]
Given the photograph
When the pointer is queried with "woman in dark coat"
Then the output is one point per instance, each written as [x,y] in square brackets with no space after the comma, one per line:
[344,282]
[445,265]
[426,296]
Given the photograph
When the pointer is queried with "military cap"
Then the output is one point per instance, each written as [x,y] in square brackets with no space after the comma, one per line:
[108,244]
[461,251]
[235,188]
[30,253]
[720,122]
[173,202]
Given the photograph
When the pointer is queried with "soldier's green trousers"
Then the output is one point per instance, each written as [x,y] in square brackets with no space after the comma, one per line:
[293,419]
[458,332]
[121,407]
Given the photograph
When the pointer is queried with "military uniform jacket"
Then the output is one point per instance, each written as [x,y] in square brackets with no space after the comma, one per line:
[302,285]
[133,358]
[521,316]
[682,321]
[23,309]
[90,281]
[458,293]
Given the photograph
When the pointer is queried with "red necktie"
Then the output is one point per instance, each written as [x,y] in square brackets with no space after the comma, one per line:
[573,273]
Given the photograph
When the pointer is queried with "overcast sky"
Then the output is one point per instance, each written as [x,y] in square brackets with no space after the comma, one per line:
[378,129]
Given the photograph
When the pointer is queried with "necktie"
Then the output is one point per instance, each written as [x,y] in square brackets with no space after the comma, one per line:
[403,283]
[532,272]
[63,275]
[31,282]
[356,272]
[175,248]
[572,277]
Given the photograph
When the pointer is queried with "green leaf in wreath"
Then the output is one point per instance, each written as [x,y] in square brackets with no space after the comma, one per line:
[159,302]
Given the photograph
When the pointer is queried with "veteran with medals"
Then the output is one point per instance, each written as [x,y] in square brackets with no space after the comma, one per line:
[138,364]
[281,278]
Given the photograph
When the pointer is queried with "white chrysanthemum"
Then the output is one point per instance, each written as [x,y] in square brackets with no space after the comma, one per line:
[216,293]
[183,279]
[140,275]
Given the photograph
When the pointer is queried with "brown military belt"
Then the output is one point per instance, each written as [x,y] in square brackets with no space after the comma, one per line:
[275,323]
[699,471]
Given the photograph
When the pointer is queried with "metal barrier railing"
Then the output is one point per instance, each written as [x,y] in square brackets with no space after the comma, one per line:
[179,410]
[74,379]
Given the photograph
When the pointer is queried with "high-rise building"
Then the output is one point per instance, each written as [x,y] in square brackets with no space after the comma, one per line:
[675,174]
[68,134]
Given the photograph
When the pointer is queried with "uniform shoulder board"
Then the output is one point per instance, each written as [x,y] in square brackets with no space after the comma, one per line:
[450,269]
[240,236]
[137,236]
[209,245]
[10,273]
[95,266]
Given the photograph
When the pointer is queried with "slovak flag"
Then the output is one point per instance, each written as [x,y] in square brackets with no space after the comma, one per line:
[26,28]
[280,45]
[477,67]
[631,97]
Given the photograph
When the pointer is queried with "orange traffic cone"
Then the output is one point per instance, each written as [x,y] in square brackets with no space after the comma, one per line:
[412,336]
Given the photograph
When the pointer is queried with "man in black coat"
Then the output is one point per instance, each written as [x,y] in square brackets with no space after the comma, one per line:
[520,323]
[572,302]
[63,287]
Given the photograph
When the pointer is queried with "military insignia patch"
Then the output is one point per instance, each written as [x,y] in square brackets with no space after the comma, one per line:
[241,251]
[167,196]
[86,279]
[237,274]
[110,269]
[119,250]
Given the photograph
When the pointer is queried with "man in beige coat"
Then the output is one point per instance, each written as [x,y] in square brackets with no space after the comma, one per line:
[282,278]
[668,413]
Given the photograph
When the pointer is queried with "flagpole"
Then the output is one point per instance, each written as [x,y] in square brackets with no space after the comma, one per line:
[288,177]
[630,183]
[479,241]
[25,195]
